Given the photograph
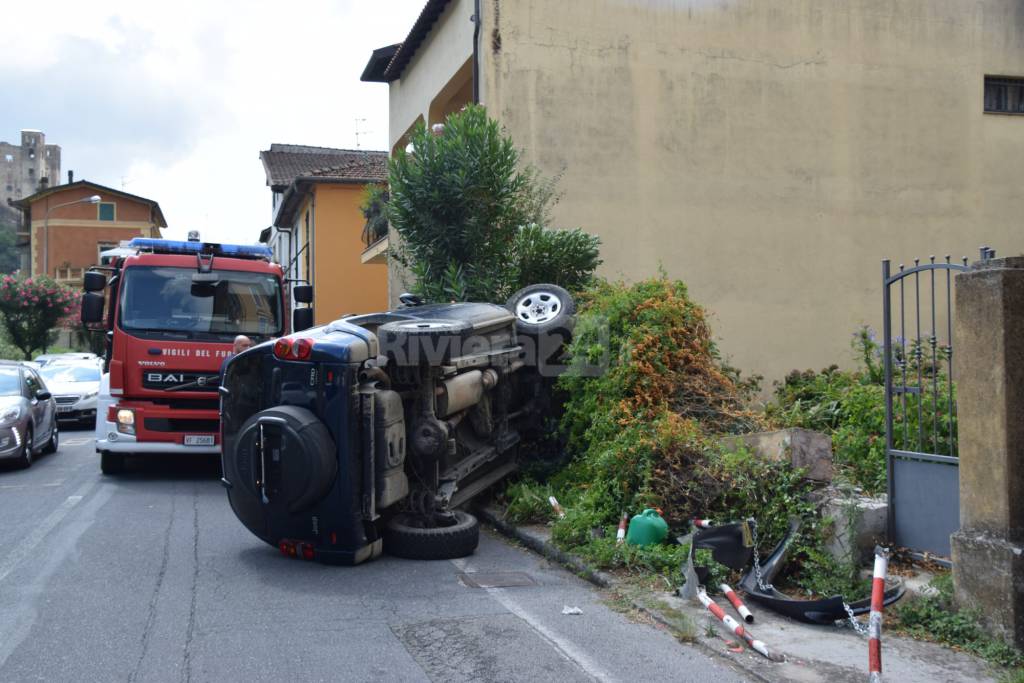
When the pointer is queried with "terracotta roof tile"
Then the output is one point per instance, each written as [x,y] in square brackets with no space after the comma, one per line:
[284,163]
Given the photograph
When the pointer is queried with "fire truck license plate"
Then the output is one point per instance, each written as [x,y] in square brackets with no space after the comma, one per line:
[199,439]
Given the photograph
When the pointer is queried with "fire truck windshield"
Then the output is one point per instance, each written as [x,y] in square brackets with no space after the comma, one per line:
[168,300]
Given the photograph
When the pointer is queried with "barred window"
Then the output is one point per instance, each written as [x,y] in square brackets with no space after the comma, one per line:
[1004,95]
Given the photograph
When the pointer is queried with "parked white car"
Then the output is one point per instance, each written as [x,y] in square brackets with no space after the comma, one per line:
[74,385]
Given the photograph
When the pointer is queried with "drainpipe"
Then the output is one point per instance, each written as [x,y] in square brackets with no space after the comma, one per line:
[476,51]
[312,244]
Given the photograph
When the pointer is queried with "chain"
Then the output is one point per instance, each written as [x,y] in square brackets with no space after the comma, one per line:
[765,587]
[854,622]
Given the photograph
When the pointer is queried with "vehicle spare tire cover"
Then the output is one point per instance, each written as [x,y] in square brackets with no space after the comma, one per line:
[422,342]
[300,462]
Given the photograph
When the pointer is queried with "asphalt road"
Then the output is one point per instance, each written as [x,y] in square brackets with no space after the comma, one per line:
[149,577]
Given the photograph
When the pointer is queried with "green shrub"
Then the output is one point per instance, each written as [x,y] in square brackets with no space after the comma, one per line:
[934,617]
[473,221]
[850,406]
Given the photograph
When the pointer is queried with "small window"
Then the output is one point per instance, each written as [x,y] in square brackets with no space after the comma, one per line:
[9,158]
[106,211]
[31,172]
[102,247]
[1004,95]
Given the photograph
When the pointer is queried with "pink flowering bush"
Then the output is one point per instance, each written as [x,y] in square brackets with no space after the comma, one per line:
[33,308]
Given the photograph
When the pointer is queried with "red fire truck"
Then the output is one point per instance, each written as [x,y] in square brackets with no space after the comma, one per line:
[173,310]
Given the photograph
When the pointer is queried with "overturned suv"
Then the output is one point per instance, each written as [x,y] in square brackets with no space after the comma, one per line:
[369,433]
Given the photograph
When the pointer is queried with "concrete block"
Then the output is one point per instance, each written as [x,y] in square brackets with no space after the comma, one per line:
[988,577]
[801,447]
[858,523]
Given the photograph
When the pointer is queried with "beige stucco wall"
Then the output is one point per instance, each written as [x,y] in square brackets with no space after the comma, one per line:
[437,60]
[768,152]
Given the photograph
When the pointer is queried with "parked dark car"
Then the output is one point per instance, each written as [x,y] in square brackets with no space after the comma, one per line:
[28,415]
[369,433]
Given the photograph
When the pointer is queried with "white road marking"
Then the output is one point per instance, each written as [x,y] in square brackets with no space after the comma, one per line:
[564,647]
[28,543]
[17,619]
[75,442]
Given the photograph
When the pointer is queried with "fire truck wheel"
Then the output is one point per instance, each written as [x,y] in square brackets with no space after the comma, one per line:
[111,463]
[406,536]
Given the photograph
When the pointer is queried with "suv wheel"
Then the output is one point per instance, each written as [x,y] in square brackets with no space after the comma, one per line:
[407,536]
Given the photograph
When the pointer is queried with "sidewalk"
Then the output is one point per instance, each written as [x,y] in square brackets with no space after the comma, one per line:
[812,653]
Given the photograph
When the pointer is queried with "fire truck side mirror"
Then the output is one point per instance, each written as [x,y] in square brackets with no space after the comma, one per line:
[302,319]
[94,282]
[303,294]
[92,308]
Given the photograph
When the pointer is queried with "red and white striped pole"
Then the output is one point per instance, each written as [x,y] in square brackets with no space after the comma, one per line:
[875,619]
[735,627]
[620,535]
[731,596]
[702,523]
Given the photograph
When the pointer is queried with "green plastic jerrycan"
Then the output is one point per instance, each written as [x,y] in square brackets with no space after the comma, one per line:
[647,528]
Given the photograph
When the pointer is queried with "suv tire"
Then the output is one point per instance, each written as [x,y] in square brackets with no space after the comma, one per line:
[404,539]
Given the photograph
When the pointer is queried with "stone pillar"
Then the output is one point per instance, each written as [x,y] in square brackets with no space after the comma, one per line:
[988,361]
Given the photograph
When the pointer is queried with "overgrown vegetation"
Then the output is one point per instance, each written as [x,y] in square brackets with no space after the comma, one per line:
[934,617]
[473,221]
[850,406]
[647,433]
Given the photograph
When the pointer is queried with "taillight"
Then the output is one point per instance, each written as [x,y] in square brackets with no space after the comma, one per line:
[293,349]
[307,551]
[282,348]
[302,348]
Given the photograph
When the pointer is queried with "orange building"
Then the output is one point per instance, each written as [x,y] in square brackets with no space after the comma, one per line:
[66,227]
[317,230]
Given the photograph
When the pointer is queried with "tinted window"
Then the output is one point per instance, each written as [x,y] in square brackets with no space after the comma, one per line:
[167,299]
[70,373]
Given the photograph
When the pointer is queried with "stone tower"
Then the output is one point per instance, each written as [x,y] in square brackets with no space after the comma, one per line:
[25,167]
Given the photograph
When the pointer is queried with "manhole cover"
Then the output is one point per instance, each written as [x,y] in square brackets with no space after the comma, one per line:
[495,579]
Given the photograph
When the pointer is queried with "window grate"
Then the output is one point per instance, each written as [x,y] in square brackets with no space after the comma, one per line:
[1004,95]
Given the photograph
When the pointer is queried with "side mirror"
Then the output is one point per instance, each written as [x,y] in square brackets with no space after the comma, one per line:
[303,294]
[92,308]
[94,282]
[43,395]
[302,319]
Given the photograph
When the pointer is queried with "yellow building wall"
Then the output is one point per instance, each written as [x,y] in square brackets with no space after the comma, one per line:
[768,152]
[342,283]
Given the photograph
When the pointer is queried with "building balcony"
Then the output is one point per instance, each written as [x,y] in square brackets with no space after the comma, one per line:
[377,252]
[72,277]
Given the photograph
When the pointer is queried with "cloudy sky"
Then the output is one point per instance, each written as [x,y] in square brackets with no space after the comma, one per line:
[174,100]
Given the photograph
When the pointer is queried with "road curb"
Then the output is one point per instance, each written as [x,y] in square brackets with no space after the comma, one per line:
[604,580]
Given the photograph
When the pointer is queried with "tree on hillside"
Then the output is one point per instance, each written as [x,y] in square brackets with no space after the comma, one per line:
[474,221]
[31,310]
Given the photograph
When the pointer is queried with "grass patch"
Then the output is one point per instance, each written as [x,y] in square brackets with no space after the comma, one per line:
[935,618]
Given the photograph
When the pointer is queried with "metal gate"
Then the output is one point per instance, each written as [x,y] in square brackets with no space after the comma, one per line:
[920,404]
